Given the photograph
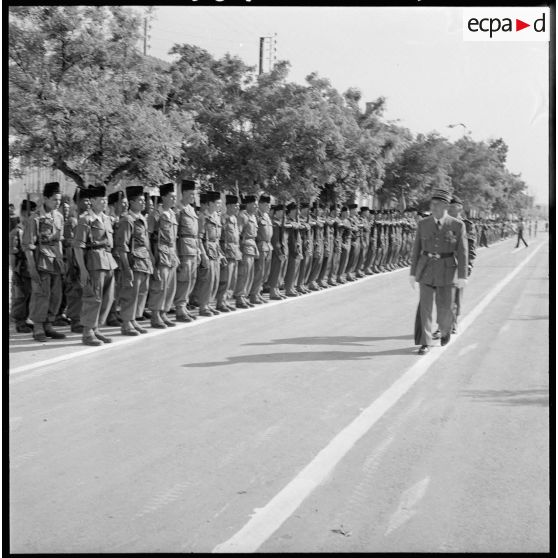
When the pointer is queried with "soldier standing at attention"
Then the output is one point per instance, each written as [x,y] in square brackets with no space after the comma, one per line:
[230,246]
[345,233]
[364,240]
[93,244]
[21,280]
[439,264]
[189,249]
[328,236]
[248,227]
[262,264]
[318,224]
[212,235]
[136,260]
[42,244]
[307,248]
[280,253]
[163,227]
[295,249]
[356,237]
[336,245]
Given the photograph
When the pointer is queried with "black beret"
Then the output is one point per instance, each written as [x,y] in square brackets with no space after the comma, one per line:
[265,198]
[165,189]
[187,185]
[250,198]
[50,189]
[333,207]
[291,206]
[278,207]
[214,196]
[230,199]
[242,206]
[134,191]
[353,205]
[97,191]
[304,205]
[344,208]
[82,193]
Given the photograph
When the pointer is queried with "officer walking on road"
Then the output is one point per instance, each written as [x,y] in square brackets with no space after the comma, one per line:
[439,264]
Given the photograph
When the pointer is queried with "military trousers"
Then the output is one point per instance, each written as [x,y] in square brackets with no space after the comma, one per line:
[277,271]
[354,254]
[335,261]
[245,276]
[74,294]
[130,296]
[291,274]
[305,269]
[45,297]
[361,257]
[457,300]
[262,269]
[161,292]
[317,261]
[186,276]
[444,311]
[227,281]
[97,299]
[209,283]
[21,295]
[343,260]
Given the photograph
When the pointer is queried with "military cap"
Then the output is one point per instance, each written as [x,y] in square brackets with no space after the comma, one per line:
[50,189]
[278,207]
[214,196]
[265,198]
[204,197]
[441,194]
[304,205]
[97,191]
[344,208]
[32,205]
[165,189]
[291,206]
[114,197]
[230,199]
[187,185]
[456,200]
[364,208]
[352,205]
[134,191]
[250,198]
[82,193]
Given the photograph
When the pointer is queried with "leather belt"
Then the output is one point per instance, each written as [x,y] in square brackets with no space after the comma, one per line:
[185,235]
[437,256]
[97,245]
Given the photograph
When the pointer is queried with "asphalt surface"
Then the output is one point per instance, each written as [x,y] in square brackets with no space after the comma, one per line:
[172,442]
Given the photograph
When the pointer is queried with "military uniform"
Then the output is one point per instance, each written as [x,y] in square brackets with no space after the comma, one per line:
[262,265]
[189,249]
[42,238]
[345,232]
[307,244]
[21,280]
[279,255]
[318,225]
[132,242]
[230,247]
[439,258]
[248,226]
[356,242]
[328,239]
[162,226]
[292,226]
[364,241]
[94,235]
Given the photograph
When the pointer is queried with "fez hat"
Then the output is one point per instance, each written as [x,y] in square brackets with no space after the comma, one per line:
[97,191]
[364,208]
[134,191]
[32,205]
[278,207]
[231,199]
[165,189]
[204,197]
[440,194]
[213,196]
[291,206]
[456,200]
[187,185]
[265,198]
[353,205]
[250,198]
[82,193]
[114,197]
[50,189]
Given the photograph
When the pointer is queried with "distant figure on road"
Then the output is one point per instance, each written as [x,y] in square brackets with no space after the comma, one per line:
[520,229]
[536,227]
[530,228]
[439,264]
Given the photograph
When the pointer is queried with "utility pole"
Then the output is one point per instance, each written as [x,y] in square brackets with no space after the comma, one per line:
[271,44]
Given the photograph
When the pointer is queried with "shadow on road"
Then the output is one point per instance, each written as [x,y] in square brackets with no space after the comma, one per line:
[536,397]
[342,340]
[526,318]
[309,356]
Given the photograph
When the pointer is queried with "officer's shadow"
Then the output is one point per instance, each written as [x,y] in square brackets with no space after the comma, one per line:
[304,356]
[339,340]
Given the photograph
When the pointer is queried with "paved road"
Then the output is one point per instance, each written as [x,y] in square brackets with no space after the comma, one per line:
[173,443]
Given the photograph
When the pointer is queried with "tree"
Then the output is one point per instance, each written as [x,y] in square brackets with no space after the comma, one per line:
[83,100]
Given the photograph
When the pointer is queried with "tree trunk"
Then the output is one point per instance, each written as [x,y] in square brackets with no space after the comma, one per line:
[70,173]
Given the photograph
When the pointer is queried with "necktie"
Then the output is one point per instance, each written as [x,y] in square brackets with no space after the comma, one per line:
[438,224]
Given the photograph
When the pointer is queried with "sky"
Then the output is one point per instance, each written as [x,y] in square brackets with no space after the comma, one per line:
[414,57]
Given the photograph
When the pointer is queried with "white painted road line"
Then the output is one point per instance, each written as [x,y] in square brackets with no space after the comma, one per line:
[265,521]
[179,326]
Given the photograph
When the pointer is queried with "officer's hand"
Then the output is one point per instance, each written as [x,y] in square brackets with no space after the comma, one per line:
[469,270]
[461,283]
[35,277]
[128,279]
[412,282]
[156,276]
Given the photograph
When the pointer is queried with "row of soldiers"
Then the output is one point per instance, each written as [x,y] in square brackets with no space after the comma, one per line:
[128,257]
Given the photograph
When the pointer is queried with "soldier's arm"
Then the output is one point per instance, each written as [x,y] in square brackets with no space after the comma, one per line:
[28,243]
[415,253]
[122,245]
[462,248]
[80,242]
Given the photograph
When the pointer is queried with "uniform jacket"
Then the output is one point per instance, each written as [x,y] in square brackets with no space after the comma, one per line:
[265,232]
[248,225]
[212,235]
[15,243]
[94,234]
[132,237]
[163,227]
[451,238]
[43,235]
[188,242]
[230,238]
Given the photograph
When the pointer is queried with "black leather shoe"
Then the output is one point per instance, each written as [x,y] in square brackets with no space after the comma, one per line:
[39,336]
[158,325]
[183,318]
[223,308]
[131,332]
[53,334]
[444,340]
[206,313]
[241,304]
[24,328]
[436,334]
[167,322]
[255,301]
[423,349]
[76,328]
[92,341]
[102,337]
[214,311]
